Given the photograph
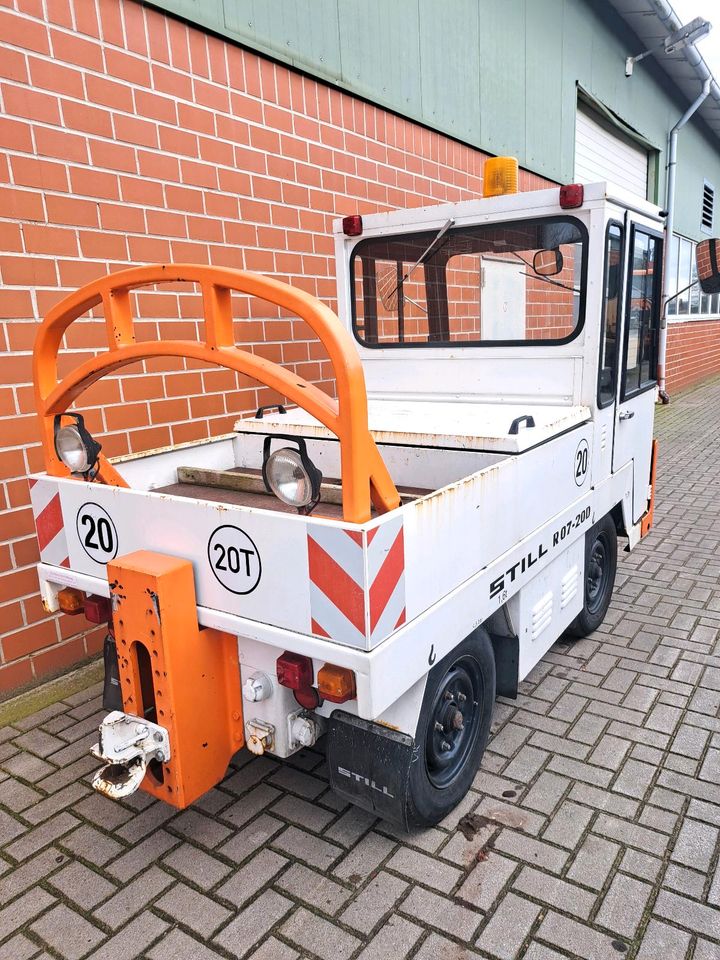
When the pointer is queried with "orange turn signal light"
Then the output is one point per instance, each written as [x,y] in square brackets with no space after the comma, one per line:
[336,684]
[71,601]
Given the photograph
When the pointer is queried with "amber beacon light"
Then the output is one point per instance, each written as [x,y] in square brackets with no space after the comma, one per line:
[500,176]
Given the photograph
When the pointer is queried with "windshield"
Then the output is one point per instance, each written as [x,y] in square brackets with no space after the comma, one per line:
[501,283]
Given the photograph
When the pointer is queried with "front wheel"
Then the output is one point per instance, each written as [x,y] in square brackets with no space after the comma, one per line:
[600,569]
[453,729]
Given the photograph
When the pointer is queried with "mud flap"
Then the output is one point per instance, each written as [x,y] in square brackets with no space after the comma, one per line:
[369,765]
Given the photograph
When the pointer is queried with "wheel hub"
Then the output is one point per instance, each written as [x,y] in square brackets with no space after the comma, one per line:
[453,722]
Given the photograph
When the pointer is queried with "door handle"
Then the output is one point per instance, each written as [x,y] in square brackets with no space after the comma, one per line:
[627,415]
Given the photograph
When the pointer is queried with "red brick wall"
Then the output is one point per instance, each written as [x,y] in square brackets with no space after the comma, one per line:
[693,352]
[130,137]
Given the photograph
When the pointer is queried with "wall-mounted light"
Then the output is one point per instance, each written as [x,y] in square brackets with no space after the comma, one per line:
[678,40]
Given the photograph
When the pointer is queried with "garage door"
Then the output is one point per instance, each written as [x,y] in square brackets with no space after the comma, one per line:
[604,153]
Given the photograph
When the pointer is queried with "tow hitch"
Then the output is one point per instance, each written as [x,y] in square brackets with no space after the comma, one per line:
[127,745]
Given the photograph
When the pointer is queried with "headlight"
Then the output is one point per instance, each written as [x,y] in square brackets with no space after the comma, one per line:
[74,445]
[292,476]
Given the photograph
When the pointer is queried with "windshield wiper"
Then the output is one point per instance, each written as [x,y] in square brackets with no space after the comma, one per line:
[389,297]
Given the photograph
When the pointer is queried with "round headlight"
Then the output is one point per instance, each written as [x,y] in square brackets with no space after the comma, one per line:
[72,450]
[288,478]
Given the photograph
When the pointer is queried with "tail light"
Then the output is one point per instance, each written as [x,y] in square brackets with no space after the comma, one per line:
[353,225]
[336,684]
[294,671]
[571,196]
[71,601]
[98,609]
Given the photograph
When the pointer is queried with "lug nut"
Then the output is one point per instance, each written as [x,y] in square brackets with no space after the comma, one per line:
[439,727]
[461,698]
[445,746]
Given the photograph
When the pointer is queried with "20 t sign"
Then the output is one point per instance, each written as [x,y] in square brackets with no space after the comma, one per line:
[97,533]
[234,559]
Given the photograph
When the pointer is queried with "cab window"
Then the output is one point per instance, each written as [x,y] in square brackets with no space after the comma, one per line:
[516,282]
[607,376]
[643,313]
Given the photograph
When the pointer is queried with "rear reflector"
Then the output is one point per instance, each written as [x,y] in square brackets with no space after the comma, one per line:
[571,196]
[294,671]
[352,226]
[336,684]
[71,601]
[98,609]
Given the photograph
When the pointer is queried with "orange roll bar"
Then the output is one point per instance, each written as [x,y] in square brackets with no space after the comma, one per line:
[364,474]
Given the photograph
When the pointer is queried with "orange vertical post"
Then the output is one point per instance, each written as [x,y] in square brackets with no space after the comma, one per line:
[174,673]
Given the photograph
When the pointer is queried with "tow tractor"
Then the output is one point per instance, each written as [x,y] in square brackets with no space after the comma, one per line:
[373,568]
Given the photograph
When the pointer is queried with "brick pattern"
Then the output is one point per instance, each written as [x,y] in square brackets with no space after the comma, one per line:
[591,832]
[127,136]
[693,352]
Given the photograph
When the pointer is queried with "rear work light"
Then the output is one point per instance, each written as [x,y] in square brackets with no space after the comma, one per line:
[336,684]
[71,601]
[571,196]
[353,225]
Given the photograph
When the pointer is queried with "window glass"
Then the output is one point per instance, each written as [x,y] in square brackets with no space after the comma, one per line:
[672,268]
[683,301]
[643,313]
[504,282]
[608,339]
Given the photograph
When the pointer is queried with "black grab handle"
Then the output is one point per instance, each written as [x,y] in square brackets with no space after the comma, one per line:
[515,425]
[270,406]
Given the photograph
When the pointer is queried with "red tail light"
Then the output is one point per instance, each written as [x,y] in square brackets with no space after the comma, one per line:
[294,671]
[98,609]
[571,196]
[352,226]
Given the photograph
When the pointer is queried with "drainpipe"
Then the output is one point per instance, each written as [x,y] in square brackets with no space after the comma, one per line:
[668,292]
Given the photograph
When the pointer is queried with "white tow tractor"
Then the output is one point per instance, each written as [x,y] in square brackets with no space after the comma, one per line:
[375,568]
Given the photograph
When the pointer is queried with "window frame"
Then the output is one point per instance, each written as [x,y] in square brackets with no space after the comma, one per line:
[657,308]
[621,300]
[463,344]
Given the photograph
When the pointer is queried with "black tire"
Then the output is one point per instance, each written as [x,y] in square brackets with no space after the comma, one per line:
[461,684]
[600,570]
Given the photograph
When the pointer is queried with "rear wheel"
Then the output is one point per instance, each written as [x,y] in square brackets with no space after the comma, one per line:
[600,570]
[453,729]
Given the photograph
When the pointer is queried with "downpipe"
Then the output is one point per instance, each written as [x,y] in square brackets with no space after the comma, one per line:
[710,87]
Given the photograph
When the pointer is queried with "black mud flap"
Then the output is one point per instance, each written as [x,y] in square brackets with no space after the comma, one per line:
[370,765]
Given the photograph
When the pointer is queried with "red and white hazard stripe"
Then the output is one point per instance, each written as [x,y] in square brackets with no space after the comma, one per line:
[357,589]
[49,522]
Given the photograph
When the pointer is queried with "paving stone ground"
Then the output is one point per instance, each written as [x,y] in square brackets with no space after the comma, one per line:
[600,793]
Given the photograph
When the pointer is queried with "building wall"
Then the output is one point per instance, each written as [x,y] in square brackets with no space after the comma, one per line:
[128,136]
[500,76]
[693,352]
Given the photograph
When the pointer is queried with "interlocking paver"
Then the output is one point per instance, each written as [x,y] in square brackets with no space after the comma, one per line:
[67,932]
[597,830]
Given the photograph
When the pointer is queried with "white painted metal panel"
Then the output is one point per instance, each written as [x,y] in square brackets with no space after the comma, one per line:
[455,532]
[603,154]
[459,424]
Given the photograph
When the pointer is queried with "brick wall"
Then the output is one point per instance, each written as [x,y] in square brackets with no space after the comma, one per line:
[693,352]
[130,137]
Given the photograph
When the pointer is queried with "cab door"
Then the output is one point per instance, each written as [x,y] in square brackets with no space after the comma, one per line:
[635,409]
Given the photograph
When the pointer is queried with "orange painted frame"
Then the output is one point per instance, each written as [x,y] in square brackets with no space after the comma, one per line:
[364,474]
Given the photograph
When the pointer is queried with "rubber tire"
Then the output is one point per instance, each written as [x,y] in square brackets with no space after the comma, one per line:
[426,804]
[587,621]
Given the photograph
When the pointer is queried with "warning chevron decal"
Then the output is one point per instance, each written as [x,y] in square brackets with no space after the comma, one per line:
[49,523]
[357,582]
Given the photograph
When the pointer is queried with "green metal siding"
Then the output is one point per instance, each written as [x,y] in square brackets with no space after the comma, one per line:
[501,75]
